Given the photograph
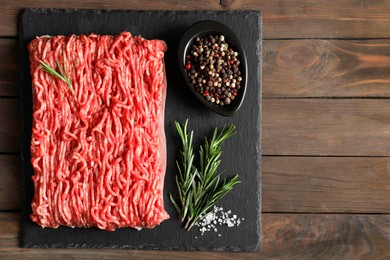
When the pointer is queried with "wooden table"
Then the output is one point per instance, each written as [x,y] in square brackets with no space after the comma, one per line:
[326,129]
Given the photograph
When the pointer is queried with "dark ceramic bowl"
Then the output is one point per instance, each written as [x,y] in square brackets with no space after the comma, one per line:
[202,29]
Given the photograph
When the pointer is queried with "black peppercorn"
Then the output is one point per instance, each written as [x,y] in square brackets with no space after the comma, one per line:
[213,68]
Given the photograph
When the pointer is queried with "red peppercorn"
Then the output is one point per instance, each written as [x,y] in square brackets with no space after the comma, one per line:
[214,70]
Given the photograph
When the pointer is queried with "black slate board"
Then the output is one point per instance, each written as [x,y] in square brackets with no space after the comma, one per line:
[242,152]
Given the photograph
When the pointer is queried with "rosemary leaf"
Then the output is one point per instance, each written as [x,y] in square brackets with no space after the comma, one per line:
[60,68]
[62,75]
[200,188]
[51,71]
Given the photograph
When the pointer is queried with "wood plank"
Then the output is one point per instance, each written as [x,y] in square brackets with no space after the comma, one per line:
[9,225]
[326,127]
[291,68]
[326,68]
[9,125]
[8,67]
[290,184]
[282,18]
[10,195]
[326,184]
[325,236]
[308,236]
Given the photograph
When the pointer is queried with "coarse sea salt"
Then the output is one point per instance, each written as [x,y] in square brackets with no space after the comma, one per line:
[218,217]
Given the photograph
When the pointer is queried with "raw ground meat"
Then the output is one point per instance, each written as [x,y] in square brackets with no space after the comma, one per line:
[98,153]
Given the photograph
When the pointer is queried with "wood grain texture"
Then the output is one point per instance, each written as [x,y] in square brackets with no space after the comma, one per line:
[9,125]
[290,184]
[9,225]
[326,68]
[9,182]
[326,184]
[311,236]
[324,236]
[298,66]
[326,127]
[282,18]
[8,68]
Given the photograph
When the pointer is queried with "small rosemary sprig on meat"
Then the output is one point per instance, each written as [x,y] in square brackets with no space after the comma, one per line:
[200,188]
[62,74]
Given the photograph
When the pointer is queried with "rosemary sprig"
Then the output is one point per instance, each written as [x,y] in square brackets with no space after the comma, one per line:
[200,189]
[62,75]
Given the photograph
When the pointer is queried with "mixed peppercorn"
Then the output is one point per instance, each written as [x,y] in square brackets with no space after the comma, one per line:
[213,69]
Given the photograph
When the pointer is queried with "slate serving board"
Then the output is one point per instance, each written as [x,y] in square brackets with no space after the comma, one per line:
[242,152]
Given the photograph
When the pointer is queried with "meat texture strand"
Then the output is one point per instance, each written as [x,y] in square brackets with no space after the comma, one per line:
[98,154]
